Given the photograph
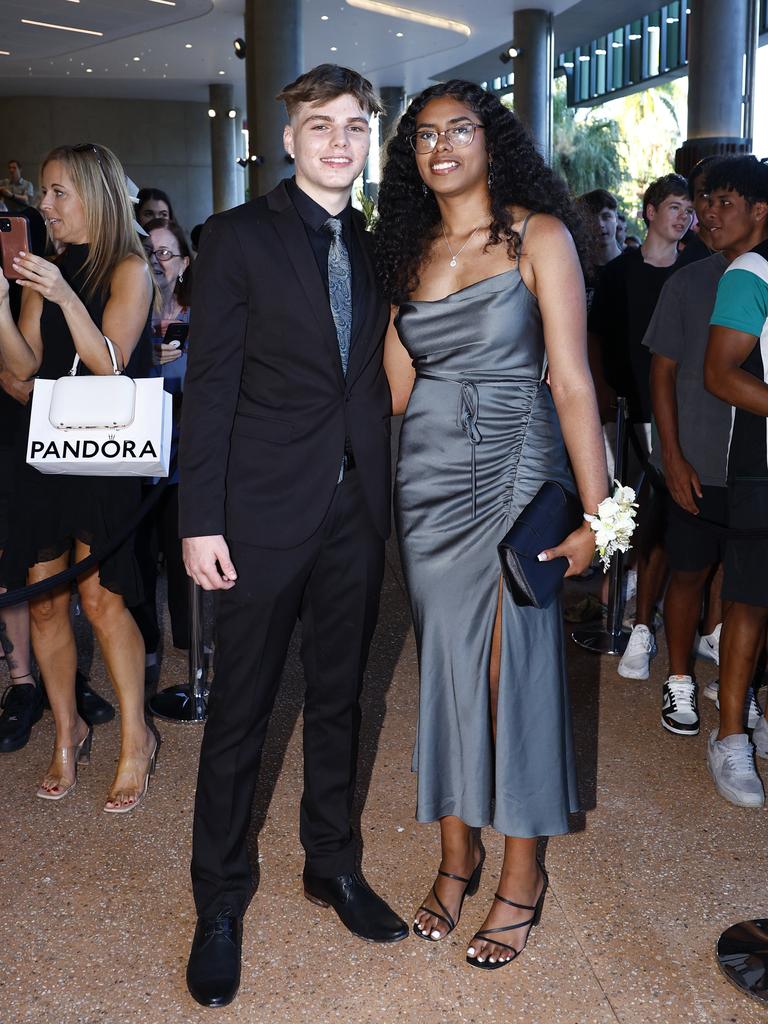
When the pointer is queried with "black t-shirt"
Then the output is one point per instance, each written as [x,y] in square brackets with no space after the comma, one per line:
[693,252]
[625,297]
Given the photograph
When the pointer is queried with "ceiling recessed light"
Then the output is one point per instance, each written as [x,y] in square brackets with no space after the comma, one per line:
[399,34]
[211,112]
[616,45]
[62,28]
[187,46]
[137,58]
[407,14]
[222,72]
[323,17]
[600,52]
[232,114]
[334,49]
[567,63]
[89,71]
[584,56]
[5,53]
[634,36]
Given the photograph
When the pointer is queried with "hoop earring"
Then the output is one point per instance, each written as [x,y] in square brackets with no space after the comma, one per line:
[180,278]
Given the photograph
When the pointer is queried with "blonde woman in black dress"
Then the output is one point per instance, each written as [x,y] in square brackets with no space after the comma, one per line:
[99,284]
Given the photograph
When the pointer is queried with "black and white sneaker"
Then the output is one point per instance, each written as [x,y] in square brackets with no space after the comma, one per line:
[679,709]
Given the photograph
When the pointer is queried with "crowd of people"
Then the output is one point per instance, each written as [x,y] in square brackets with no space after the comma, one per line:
[503,319]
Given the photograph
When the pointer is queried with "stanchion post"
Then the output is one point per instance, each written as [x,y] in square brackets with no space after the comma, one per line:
[612,639]
[188,703]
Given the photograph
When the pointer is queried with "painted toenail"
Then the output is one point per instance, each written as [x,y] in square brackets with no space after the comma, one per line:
[471,951]
[435,934]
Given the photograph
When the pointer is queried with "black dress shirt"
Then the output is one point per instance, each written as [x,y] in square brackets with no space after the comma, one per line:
[314,217]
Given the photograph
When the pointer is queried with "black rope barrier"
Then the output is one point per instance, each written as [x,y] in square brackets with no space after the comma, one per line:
[34,590]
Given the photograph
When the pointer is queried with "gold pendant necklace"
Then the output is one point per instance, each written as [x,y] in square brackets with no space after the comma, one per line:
[455,255]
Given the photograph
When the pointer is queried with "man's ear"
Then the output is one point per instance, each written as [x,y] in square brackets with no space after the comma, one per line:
[760,212]
[650,212]
[288,140]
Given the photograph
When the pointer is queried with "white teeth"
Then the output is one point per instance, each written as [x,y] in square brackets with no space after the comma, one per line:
[444,166]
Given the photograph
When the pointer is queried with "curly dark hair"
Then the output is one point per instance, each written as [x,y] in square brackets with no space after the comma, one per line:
[408,218]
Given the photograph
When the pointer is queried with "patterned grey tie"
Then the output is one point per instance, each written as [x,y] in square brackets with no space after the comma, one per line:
[340,289]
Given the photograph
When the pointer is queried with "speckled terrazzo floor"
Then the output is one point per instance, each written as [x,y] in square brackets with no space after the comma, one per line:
[96,913]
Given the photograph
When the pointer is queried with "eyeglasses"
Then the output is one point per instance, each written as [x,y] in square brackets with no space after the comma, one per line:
[425,139]
[164,254]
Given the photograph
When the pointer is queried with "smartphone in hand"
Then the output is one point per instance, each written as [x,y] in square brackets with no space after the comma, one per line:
[176,332]
[14,238]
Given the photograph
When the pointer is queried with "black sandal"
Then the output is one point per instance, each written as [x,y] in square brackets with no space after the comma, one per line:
[486,965]
[472,884]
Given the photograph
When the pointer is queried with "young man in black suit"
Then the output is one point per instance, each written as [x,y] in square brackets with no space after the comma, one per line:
[285,497]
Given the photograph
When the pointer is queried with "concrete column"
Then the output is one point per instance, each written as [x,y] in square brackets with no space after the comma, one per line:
[223,156]
[534,69]
[720,34]
[274,57]
[393,98]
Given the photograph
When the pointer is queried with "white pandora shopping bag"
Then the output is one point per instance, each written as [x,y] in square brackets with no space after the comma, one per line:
[141,447]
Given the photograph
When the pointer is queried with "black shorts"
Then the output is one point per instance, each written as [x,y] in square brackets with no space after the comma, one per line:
[745,566]
[693,542]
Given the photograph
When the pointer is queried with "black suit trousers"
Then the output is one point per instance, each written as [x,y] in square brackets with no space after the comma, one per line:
[332,583]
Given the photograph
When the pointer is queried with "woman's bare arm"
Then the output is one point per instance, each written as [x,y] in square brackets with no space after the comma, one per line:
[559,287]
[398,367]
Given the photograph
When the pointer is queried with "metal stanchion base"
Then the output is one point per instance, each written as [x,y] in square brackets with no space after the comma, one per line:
[742,955]
[179,704]
[601,641]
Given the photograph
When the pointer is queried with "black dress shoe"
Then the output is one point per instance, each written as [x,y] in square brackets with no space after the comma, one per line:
[22,706]
[213,970]
[359,908]
[91,706]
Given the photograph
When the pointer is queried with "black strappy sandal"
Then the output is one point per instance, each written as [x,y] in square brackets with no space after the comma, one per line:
[486,965]
[472,885]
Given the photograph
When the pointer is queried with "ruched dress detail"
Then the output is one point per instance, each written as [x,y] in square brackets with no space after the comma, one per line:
[479,437]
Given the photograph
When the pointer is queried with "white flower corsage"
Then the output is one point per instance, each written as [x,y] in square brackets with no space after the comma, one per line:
[614,523]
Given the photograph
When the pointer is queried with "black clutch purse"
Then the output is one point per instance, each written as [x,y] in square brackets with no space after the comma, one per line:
[544,523]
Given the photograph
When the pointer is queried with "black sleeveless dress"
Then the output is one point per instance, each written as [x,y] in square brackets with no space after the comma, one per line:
[49,512]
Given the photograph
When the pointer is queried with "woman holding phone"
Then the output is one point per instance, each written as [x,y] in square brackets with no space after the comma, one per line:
[98,286]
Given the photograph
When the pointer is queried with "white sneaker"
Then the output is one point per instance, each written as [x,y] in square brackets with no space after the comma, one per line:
[636,660]
[712,690]
[752,710]
[760,737]
[679,709]
[709,646]
[731,762]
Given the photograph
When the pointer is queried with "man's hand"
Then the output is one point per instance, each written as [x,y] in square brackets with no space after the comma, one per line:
[208,563]
[682,482]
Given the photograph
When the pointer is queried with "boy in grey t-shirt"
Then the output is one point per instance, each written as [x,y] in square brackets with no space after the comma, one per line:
[689,448]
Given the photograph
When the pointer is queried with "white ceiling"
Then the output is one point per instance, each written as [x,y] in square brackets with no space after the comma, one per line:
[48,61]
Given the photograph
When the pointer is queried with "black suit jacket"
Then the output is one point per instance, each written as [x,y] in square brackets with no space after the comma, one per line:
[266,406]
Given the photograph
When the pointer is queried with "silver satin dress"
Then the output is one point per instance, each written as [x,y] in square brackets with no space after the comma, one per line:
[479,437]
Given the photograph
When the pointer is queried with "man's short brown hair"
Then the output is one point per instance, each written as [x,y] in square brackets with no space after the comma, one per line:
[327,82]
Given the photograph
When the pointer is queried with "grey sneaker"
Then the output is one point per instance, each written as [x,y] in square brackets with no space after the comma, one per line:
[760,737]
[636,660]
[752,710]
[712,690]
[679,708]
[731,762]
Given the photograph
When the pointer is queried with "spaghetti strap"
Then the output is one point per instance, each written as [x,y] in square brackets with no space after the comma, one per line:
[524,228]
